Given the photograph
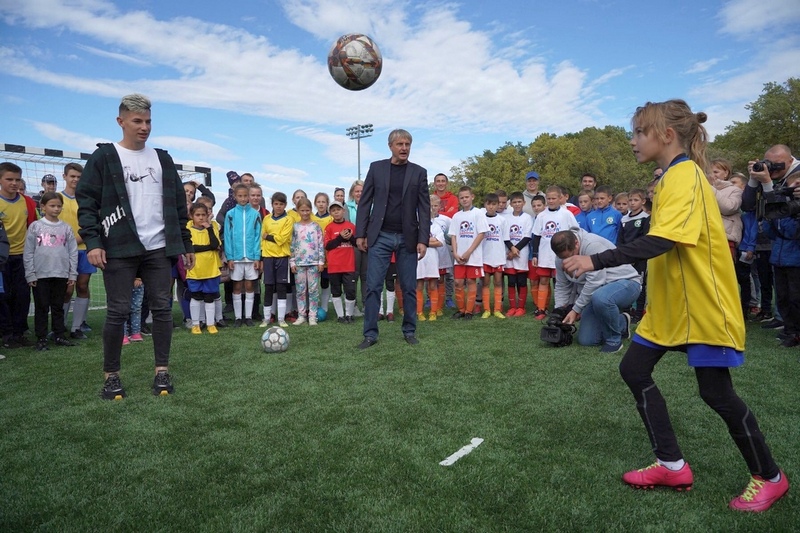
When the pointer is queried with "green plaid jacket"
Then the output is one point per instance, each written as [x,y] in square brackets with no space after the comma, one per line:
[103,207]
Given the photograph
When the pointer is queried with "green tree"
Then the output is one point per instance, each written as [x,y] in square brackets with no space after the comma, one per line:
[774,119]
[502,169]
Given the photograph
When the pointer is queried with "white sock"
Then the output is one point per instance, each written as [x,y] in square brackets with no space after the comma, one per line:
[390,298]
[194,309]
[776,478]
[266,312]
[337,304]
[210,313]
[383,304]
[79,312]
[249,299]
[281,310]
[349,307]
[217,310]
[237,306]
[672,465]
[325,298]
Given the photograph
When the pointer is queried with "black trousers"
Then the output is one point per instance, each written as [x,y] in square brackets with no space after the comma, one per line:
[15,300]
[48,297]
[716,389]
[787,294]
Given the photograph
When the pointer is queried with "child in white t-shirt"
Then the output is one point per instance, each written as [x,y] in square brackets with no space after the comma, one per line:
[466,234]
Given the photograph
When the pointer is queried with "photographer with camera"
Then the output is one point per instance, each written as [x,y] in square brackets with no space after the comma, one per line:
[766,191]
[595,298]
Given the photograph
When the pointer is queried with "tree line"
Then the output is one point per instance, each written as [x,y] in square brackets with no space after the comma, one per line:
[774,119]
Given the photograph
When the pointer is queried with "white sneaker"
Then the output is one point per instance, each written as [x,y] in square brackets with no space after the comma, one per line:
[283,324]
[311,321]
[357,312]
[264,323]
[300,321]
[2,357]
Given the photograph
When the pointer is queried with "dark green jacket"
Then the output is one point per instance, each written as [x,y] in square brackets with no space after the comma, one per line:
[103,207]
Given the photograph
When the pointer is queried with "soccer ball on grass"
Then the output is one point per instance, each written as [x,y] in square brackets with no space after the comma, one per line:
[275,340]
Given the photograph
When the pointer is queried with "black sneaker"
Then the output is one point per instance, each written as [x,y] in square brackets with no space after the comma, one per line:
[367,342]
[162,386]
[467,316]
[85,327]
[626,331]
[350,319]
[249,323]
[146,330]
[41,345]
[458,315]
[791,342]
[222,323]
[78,334]
[342,320]
[773,324]
[112,388]
[61,341]
[237,323]
[763,316]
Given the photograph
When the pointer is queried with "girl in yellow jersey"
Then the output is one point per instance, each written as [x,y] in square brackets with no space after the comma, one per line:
[693,306]
[203,279]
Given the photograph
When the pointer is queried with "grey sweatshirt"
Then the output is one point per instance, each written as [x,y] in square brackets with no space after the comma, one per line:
[50,251]
[578,291]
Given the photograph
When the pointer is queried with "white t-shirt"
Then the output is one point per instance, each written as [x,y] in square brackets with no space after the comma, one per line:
[494,242]
[519,227]
[466,227]
[445,252]
[428,266]
[145,186]
[547,224]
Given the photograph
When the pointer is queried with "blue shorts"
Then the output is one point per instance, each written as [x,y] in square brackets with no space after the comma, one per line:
[206,286]
[700,355]
[276,270]
[84,266]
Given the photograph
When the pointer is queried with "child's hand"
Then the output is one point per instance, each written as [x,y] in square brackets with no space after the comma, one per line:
[535,262]
[346,233]
[466,255]
[230,266]
[70,282]
[32,284]
[137,283]
[294,270]
[257,266]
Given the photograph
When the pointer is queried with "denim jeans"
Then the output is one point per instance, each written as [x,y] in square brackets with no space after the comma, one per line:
[134,323]
[601,320]
[379,257]
[155,269]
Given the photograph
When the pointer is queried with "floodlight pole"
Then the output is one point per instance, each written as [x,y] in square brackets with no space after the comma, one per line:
[359,132]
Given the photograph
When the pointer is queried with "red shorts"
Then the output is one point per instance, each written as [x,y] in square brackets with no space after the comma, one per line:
[512,271]
[545,272]
[467,272]
[532,275]
[443,271]
[488,270]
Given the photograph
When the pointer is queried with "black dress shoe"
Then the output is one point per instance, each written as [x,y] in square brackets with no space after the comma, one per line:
[366,343]
[411,339]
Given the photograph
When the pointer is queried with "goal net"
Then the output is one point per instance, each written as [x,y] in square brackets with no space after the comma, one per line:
[38,162]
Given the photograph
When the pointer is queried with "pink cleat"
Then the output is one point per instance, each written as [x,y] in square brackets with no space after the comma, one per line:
[659,475]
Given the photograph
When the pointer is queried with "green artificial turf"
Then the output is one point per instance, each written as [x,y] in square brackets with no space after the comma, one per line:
[328,438]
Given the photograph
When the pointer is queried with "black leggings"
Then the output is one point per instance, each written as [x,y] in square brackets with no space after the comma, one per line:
[518,280]
[716,389]
[269,290]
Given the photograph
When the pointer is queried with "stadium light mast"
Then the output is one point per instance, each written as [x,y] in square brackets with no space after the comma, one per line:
[359,132]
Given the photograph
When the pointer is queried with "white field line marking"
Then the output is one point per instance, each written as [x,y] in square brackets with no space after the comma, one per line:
[474,443]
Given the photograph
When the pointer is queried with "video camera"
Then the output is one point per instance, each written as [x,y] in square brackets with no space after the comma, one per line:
[781,203]
[555,332]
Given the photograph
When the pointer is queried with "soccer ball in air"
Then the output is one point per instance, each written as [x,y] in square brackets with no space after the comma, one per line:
[355,62]
[322,314]
[275,340]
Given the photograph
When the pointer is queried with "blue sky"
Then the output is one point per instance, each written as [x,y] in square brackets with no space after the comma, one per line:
[244,85]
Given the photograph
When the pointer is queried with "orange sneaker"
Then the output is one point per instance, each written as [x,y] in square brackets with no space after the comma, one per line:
[659,475]
[760,494]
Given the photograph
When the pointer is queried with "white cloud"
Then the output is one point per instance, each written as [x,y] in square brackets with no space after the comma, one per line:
[448,79]
[702,66]
[111,55]
[68,138]
[197,146]
[748,17]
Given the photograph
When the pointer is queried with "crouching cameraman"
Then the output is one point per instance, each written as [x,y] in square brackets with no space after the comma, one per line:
[596,298]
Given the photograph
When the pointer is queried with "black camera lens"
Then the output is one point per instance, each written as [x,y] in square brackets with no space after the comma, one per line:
[758,166]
